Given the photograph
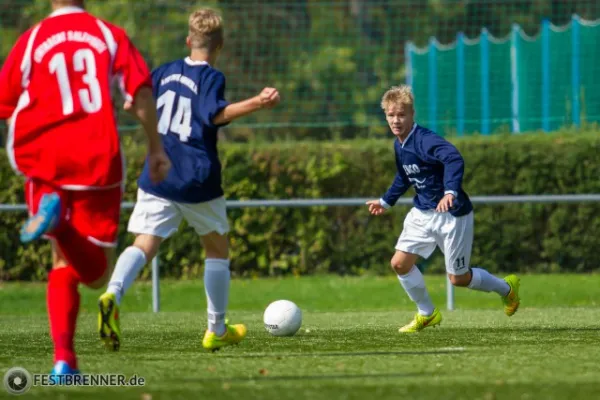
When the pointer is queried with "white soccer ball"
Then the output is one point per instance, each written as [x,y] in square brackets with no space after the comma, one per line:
[282,318]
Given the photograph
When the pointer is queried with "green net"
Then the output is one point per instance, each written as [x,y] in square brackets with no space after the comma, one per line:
[333,59]
[589,60]
[446,116]
[472,96]
[560,70]
[499,81]
[529,67]
[518,83]
[420,73]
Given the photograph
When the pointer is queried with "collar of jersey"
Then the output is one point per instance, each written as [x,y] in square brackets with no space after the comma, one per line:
[67,10]
[409,134]
[191,62]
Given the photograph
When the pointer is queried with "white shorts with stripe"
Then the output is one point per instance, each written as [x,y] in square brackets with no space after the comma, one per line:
[425,230]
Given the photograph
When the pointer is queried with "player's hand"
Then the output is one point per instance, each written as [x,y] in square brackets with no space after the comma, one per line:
[446,203]
[269,97]
[158,165]
[375,207]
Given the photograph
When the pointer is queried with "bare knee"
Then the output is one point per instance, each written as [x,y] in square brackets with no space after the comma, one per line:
[216,245]
[58,258]
[149,244]
[403,262]
[460,280]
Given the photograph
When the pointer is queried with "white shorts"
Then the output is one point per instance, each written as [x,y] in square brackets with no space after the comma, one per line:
[156,216]
[424,230]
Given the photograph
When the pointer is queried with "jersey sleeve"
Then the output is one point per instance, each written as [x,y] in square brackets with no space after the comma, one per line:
[437,149]
[131,68]
[212,99]
[399,186]
[10,79]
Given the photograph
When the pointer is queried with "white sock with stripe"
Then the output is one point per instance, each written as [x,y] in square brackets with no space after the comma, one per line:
[216,286]
[485,282]
[128,267]
[414,285]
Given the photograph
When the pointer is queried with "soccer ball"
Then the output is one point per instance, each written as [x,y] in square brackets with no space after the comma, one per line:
[282,318]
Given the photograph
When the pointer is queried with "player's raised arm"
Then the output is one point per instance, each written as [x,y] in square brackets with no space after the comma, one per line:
[268,98]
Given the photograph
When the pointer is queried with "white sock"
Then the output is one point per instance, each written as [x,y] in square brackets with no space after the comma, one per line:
[128,267]
[486,282]
[414,285]
[216,286]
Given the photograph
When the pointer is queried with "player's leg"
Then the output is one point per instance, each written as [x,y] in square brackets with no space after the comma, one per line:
[416,240]
[131,261]
[128,266]
[62,296]
[209,219]
[216,280]
[457,236]
[153,220]
[87,236]
[62,302]
[216,287]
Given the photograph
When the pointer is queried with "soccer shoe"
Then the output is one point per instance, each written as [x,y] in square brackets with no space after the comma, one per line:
[108,321]
[61,369]
[421,322]
[511,300]
[234,334]
[44,221]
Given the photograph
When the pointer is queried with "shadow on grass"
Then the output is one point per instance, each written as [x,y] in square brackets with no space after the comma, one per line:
[303,377]
[346,354]
[523,329]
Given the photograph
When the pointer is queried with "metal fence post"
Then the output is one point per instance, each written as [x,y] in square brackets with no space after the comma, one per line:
[449,294]
[155,285]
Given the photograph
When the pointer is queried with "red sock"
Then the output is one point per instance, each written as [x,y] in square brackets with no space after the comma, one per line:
[63,307]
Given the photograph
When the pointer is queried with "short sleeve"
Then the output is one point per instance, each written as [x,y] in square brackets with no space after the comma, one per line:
[130,66]
[10,80]
[212,99]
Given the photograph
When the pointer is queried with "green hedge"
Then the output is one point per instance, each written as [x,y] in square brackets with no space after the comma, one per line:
[269,241]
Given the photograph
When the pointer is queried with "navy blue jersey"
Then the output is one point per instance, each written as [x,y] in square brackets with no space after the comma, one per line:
[434,167]
[189,94]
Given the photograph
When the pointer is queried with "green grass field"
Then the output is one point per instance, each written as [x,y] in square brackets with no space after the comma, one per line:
[347,348]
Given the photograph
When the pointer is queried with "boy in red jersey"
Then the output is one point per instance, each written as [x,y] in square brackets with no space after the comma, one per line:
[62,136]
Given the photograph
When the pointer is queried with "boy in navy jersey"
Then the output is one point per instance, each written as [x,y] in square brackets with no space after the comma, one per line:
[442,215]
[191,108]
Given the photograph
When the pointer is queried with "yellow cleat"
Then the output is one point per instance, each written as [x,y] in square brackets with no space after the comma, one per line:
[421,322]
[108,321]
[234,334]
[511,300]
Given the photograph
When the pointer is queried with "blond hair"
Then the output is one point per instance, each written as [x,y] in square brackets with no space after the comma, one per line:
[206,29]
[398,95]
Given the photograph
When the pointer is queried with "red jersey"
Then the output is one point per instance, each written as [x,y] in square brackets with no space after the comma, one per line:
[55,86]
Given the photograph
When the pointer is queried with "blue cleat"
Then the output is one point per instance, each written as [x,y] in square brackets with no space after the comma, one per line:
[44,221]
[60,370]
